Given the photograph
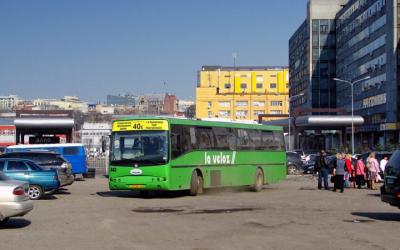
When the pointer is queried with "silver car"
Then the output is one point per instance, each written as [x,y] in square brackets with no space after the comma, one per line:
[14,199]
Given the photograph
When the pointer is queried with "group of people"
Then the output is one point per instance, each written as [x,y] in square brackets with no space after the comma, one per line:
[349,174]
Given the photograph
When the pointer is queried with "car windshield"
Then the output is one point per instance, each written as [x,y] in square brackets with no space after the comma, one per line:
[139,147]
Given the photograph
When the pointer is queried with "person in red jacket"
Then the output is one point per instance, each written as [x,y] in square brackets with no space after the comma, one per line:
[349,171]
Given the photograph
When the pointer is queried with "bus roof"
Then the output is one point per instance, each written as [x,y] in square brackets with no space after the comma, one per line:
[194,122]
[47,145]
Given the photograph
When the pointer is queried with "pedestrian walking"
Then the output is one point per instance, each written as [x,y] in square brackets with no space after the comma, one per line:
[373,169]
[322,168]
[382,166]
[339,173]
[348,171]
[361,175]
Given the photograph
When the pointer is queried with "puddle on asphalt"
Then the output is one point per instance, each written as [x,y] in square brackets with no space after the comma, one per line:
[359,221]
[158,210]
[199,211]
[222,210]
[307,188]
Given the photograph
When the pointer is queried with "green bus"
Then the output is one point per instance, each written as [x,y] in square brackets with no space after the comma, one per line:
[158,153]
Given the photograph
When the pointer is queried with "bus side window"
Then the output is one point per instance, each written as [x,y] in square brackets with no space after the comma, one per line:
[279,140]
[267,140]
[255,138]
[180,140]
[222,138]
[205,138]
[176,134]
[243,139]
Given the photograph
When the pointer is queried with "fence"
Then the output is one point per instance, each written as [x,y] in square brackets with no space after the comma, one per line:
[99,163]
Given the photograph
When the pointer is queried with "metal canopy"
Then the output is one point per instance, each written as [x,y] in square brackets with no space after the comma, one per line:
[328,120]
[322,121]
[44,123]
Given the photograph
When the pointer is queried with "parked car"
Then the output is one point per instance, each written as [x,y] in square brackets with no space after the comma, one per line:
[40,180]
[390,191]
[309,167]
[47,160]
[74,153]
[14,199]
[303,156]
[294,163]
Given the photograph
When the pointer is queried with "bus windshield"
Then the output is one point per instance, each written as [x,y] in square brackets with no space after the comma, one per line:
[139,147]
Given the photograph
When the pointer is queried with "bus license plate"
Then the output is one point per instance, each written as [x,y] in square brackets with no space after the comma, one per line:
[137,186]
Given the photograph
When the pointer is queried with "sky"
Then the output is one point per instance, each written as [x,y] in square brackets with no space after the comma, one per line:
[91,48]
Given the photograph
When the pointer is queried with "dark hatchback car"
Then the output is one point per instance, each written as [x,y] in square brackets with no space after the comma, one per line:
[390,191]
[47,160]
[294,163]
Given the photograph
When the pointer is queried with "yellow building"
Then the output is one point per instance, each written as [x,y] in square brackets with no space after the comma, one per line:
[242,93]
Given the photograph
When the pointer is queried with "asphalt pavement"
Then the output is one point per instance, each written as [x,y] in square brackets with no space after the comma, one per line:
[289,215]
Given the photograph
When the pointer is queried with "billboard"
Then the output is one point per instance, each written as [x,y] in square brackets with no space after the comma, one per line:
[7,135]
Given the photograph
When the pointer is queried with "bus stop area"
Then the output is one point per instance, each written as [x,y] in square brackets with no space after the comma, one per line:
[290,215]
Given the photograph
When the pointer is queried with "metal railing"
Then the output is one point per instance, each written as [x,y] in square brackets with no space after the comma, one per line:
[100,163]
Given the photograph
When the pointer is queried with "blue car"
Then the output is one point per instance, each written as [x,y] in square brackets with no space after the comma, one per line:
[40,181]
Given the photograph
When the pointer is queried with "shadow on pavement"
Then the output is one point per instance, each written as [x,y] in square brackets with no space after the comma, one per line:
[15,224]
[48,197]
[63,191]
[143,195]
[379,216]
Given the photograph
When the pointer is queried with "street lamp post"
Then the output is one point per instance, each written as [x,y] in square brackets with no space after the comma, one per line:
[352,105]
[290,121]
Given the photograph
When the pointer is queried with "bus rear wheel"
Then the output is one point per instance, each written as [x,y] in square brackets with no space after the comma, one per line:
[196,184]
[259,181]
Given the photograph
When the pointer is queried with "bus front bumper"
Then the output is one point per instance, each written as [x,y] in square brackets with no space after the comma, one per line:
[138,183]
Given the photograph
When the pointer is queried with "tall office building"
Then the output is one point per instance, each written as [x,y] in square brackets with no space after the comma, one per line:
[312,57]
[350,40]
[242,93]
[367,37]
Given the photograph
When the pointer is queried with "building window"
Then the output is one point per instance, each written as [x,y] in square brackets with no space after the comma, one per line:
[258,112]
[241,113]
[259,85]
[224,104]
[227,85]
[258,103]
[224,113]
[272,85]
[276,112]
[241,103]
[276,103]
[209,104]
[272,75]
[259,78]
[243,85]
[209,114]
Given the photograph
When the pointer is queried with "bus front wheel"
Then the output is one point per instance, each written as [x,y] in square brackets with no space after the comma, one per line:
[259,181]
[196,184]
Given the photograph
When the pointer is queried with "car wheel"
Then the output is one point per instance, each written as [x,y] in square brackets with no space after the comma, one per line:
[196,184]
[35,192]
[291,170]
[4,221]
[259,181]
